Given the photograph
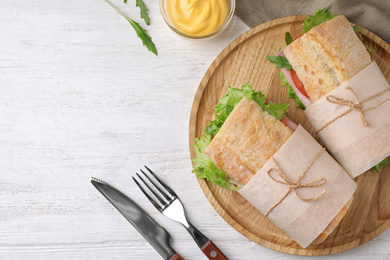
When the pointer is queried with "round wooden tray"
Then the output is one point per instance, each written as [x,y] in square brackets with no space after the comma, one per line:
[243,61]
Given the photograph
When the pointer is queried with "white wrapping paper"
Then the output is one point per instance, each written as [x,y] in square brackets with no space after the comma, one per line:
[355,146]
[302,221]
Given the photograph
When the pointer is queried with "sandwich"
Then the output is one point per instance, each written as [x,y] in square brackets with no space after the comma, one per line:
[336,53]
[203,165]
[327,56]
[249,139]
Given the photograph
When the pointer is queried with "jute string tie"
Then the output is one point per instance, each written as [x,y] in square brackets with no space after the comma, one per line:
[292,186]
[352,106]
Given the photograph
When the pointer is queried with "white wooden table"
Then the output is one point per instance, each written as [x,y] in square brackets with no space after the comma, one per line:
[81,97]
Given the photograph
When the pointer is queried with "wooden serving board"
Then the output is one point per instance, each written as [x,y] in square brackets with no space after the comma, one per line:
[243,61]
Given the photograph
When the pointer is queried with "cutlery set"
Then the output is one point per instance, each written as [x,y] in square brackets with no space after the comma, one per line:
[168,203]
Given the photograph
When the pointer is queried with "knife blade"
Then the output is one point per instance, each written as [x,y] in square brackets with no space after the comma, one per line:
[155,234]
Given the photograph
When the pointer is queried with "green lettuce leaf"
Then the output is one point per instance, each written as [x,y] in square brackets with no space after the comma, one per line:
[380,165]
[213,127]
[206,169]
[203,165]
[280,62]
[276,109]
[227,103]
[318,18]
[290,92]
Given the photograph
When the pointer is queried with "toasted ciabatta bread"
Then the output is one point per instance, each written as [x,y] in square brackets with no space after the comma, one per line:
[246,141]
[327,56]
[333,224]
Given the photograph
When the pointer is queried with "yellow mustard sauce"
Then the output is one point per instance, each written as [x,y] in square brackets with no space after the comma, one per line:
[197,17]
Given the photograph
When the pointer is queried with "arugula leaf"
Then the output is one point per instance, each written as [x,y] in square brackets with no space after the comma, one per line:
[357,30]
[206,169]
[145,38]
[318,18]
[280,62]
[290,92]
[380,165]
[203,164]
[141,33]
[144,11]
[288,38]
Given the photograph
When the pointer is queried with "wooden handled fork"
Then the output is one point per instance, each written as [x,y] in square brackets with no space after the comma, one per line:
[168,203]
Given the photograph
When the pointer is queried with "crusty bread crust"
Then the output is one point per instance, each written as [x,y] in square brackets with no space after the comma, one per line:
[333,224]
[246,141]
[327,56]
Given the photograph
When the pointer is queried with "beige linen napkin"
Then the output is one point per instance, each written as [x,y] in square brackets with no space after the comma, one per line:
[373,15]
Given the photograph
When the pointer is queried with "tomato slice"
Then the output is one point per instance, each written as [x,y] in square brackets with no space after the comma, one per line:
[298,83]
[358,36]
[284,121]
[362,42]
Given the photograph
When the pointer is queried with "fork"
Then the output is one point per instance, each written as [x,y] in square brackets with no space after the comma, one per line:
[169,204]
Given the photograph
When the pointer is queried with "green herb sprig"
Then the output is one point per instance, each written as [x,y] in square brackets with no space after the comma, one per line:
[141,32]
[288,38]
[144,11]
[290,92]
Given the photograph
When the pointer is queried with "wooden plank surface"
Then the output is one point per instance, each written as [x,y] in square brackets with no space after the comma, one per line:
[243,61]
[81,97]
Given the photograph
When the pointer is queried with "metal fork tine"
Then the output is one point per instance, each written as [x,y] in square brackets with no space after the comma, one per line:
[170,191]
[152,191]
[157,187]
[158,207]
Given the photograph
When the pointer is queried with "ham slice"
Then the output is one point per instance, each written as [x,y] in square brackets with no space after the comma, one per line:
[290,123]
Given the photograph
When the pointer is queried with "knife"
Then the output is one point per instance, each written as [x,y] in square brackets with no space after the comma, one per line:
[155,234]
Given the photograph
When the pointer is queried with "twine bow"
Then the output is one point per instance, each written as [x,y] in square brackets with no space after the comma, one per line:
[292,186]
[352,106]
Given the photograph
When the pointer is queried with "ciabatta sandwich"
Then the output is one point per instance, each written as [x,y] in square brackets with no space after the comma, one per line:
[333,76]
[251,144]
